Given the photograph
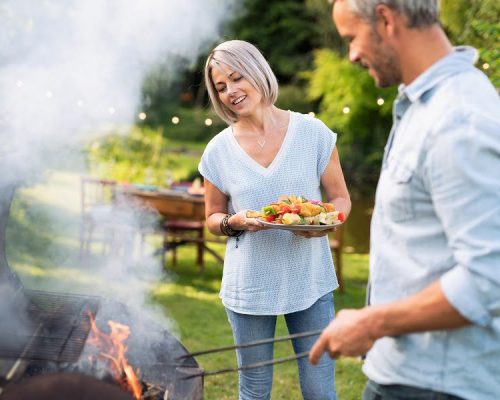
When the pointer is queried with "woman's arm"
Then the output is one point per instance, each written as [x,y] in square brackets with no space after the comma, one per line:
[215,207]
[333,183]
[216,210]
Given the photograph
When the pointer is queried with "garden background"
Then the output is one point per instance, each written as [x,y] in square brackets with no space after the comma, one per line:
[172,124]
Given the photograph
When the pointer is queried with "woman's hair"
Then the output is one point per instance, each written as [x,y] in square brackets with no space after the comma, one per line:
[246,60]
[420,13]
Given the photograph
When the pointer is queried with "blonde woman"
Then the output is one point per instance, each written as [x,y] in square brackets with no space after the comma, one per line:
[266,152]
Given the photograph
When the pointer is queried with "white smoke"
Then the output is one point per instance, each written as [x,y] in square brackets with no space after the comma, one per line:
[72,68]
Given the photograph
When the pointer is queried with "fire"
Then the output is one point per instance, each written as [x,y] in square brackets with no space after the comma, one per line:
[112,348]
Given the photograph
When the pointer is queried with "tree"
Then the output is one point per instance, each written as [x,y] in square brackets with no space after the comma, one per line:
[357,110]
[285,31]
[477,23]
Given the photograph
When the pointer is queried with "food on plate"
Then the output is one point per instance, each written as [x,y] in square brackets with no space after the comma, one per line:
[253,214]
[297,210]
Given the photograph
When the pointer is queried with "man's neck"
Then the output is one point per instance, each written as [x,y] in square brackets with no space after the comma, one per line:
[422,48]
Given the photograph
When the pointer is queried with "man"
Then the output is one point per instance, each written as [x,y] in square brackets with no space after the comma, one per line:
[432,329]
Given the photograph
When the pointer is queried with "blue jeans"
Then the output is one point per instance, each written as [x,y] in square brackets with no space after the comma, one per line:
[374,391]
[316,382]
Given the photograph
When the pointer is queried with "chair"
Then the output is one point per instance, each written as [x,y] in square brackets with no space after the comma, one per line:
[97,196]
[178,232]
[336,242]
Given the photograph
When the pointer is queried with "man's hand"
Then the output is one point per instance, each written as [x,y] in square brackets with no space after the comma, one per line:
[351,333]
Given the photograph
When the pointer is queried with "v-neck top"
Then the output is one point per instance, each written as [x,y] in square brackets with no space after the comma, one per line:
[273,272]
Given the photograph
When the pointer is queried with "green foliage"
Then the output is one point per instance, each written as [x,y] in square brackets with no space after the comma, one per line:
[192,124]
[292,97]
[348,104]
[476,23]
[285,31]
[141,155]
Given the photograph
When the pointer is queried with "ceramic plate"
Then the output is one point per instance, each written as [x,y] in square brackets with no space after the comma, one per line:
[299,227]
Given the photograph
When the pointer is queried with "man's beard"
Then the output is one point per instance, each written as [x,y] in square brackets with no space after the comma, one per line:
[385,64]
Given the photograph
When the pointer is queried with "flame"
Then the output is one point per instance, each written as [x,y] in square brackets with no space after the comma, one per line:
[112,348]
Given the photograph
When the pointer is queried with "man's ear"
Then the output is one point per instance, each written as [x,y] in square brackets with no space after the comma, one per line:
[387,20]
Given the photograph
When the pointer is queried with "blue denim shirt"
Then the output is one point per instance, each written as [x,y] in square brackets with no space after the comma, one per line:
[437,217]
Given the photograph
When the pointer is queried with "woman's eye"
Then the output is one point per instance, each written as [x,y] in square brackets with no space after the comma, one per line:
[221,89]
[238,78]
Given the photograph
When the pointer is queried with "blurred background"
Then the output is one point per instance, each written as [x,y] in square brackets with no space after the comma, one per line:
[113,89]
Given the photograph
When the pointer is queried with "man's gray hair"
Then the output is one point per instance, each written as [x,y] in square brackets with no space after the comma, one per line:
[420,13]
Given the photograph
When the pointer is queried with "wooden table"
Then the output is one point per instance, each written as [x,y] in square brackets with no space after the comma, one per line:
[170,203]
[175,205]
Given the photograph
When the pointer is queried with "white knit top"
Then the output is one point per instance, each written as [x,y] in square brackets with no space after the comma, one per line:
[273,272]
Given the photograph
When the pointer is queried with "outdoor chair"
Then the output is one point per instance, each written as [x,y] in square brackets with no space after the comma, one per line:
[178,232]
[96,201]
[112,221]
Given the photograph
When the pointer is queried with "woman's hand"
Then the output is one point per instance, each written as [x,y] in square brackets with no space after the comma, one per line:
[239,221]
[313,234]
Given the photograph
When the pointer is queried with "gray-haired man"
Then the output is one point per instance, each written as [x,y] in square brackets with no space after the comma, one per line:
[432,330]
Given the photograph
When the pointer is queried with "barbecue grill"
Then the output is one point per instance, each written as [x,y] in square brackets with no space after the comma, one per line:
[44,335]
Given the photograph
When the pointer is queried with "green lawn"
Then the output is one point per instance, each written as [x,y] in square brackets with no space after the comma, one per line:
[43,246]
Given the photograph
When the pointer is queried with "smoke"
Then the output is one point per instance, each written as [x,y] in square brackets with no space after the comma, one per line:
[70,70]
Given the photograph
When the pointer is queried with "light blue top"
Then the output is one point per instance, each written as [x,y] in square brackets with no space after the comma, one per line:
[273,272]
[437,217]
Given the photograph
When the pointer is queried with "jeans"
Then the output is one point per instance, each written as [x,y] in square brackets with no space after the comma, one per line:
[374,391]
[316,382]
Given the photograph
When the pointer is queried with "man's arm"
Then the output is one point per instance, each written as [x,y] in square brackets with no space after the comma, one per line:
[353,332]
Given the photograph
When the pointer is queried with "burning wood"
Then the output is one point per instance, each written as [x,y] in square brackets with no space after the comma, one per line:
[112,348]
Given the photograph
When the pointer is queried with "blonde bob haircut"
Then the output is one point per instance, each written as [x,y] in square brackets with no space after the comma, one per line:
[246,60]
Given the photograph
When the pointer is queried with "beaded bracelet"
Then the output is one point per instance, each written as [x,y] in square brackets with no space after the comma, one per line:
[227,230]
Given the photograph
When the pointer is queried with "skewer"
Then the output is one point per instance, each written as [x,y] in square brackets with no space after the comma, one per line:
[249,366]
[251,344]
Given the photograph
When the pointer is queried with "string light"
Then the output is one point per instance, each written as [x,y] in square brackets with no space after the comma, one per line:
[111,110]
[19,83]
[312,114]
[142,116]
[208,122]
[380,101]
[346,110]
[486,66]
[49,94]
[175,120]
[79,103]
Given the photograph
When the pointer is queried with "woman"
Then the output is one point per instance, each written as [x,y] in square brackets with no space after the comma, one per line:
[264,153]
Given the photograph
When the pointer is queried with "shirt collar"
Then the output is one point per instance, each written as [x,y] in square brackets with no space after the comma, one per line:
[458,60]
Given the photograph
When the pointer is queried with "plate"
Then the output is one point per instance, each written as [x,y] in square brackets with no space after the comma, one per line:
[298,227]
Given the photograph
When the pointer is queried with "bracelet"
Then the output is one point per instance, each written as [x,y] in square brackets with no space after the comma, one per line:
[227,230]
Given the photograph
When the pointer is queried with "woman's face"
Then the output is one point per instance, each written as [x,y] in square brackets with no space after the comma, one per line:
[234,91]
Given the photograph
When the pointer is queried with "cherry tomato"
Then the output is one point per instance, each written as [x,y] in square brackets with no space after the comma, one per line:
[341,217]
[295,209]
[285,210]
[270,218]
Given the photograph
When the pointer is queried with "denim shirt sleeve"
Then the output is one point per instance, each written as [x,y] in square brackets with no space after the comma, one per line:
[463,171]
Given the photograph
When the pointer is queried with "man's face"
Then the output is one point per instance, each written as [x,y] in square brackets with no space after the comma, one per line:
[366,46]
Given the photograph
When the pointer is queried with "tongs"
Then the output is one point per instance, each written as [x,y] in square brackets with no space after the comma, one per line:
[246,345]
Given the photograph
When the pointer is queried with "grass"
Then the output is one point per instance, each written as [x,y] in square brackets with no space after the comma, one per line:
[42,247]
[193,300]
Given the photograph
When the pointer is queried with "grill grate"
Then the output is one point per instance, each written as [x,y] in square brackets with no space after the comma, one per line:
[59,327]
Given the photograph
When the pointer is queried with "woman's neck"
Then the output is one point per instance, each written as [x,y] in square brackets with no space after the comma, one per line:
[263,120]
